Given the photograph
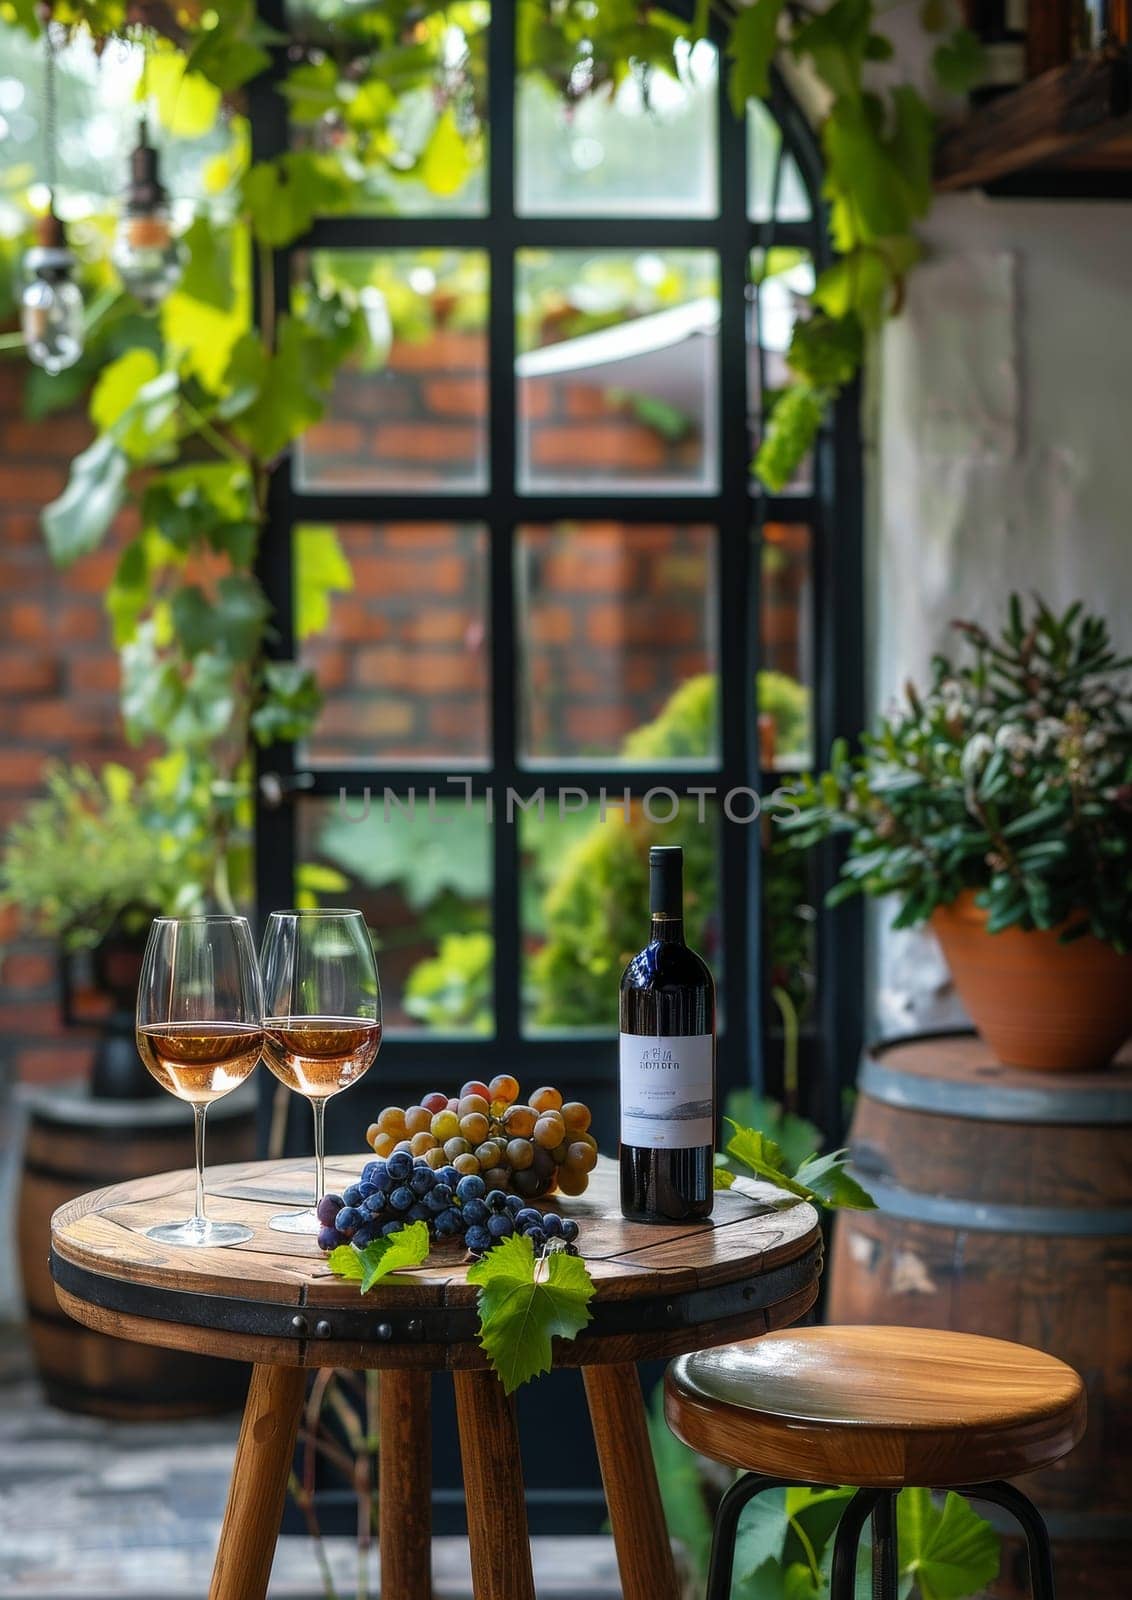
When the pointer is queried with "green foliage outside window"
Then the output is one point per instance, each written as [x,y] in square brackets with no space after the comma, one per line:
[594,907]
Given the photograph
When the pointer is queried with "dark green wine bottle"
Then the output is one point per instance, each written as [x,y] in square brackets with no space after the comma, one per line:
[667,1063]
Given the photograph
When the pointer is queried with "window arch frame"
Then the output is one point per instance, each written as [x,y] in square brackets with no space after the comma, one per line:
[832,510]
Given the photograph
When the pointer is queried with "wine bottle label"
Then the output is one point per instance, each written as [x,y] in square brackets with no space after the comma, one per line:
[666,1091]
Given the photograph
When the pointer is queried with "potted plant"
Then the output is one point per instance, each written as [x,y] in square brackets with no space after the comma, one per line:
[96,855]
[89,864]
[997,807]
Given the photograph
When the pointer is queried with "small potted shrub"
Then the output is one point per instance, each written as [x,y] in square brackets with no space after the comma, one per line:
[997,807]
[89,864]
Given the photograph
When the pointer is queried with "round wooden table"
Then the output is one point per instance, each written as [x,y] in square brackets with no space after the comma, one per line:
[661,1291]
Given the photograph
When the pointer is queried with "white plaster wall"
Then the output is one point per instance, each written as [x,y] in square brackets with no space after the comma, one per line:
[999,436]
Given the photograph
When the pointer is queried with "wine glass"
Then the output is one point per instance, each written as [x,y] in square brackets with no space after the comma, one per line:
[322,1020]
[200,1034]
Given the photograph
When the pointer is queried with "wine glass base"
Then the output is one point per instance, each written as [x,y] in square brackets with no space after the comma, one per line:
[296,1222]
[198,1232]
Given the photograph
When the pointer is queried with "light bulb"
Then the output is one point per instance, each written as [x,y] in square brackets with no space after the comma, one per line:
[51,303]
[147,256]
[145,253]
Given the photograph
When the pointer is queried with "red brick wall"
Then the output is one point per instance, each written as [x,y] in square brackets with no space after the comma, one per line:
[58,699]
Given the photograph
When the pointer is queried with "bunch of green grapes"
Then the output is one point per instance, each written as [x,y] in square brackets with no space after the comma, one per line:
[533,1147]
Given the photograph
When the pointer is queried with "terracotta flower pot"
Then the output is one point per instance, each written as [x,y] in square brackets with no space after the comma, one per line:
[1037,1002]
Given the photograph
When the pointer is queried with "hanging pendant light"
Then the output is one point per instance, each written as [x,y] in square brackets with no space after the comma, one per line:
[51,303]
[145,252]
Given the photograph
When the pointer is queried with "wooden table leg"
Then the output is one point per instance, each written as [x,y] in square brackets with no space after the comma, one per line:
[405,1485]
[493,1489]
[640,1534]
[259,1483]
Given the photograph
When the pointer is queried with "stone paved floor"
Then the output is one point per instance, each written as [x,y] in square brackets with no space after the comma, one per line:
[94,1510]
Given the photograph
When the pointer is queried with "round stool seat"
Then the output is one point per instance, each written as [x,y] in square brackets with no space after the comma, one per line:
[876,1407]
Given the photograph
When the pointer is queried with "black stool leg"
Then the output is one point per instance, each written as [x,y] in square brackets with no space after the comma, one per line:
[886,1559]
[1032,1524]
[731,1508]
[843,1581]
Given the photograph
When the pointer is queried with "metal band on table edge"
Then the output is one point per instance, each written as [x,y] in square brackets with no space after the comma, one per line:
[962,1214]
[990,1101]
[414,1325]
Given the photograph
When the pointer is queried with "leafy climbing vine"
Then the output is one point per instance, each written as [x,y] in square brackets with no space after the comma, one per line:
[194,412]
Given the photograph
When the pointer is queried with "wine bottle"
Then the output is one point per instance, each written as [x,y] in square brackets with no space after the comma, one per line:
[667,1063]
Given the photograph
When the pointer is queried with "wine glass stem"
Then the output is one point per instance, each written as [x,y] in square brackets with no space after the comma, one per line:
[199,1112]
[319,1109]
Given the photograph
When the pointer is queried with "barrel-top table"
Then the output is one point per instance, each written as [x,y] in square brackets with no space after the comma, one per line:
[660,1291]
[1005,1208]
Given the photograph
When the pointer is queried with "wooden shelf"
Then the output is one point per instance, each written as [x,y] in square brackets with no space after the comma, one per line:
[1073,118]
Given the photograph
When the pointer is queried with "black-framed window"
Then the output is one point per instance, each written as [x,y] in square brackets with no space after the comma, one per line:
[456,654]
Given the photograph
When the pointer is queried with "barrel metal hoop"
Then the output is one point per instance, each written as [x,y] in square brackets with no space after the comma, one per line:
[386,1323]
[946,1211]
[991,1102]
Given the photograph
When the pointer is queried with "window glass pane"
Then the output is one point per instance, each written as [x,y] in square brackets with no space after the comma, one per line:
[423,881]
[617,364]
[774,183]
[585,902]
[786,671]
[585,146]
[411,411]
[398,95]
[401,656]
[782,281]
[618,643]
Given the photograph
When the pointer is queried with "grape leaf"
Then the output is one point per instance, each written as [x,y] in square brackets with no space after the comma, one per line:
[187,104]
[823,1180]
[208,265]
[751,47]
[950,1551]
[230,621]
[118,386]
[321,569]
[135,402]
[445,164]
[377,1260]
[837,41]
[792,429]
[521,1308]
[292,700]
[827,1179]
[826,351]
[763,1157]
[283,197]
[76,522]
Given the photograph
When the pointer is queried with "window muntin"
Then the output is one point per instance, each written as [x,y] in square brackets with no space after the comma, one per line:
[787,216]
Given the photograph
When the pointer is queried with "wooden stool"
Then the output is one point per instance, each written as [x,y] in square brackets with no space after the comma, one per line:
[882,1409]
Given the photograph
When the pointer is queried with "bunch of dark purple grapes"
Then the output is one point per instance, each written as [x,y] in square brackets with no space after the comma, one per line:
[401,1189]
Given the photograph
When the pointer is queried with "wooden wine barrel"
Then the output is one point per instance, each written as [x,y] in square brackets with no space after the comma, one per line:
[73,1144]
[1006,1208]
